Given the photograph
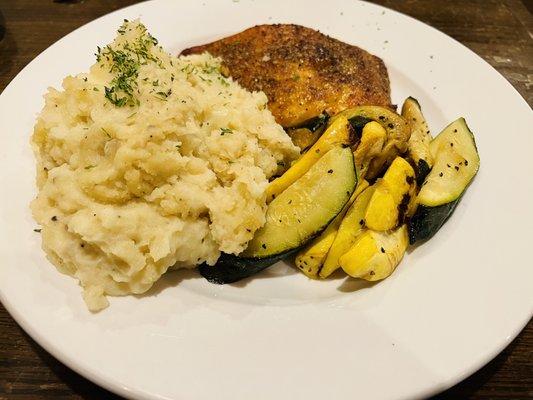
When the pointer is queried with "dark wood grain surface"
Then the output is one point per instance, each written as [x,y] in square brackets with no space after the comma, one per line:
[500,31]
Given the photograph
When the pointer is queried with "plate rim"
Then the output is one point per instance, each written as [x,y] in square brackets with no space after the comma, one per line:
[115,386]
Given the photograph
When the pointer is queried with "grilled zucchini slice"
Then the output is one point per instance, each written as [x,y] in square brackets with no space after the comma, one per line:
[456,164]
[305,208]
[293,218]
[418,145]
[230,268]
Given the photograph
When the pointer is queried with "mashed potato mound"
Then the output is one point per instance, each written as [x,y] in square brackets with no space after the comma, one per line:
[150,161]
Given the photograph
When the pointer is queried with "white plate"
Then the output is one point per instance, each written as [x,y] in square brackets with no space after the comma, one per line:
[451,306]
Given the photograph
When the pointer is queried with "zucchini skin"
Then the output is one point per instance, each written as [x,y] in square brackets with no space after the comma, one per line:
[397,129]
[315,127]
[314,124]
[358,123]
[428,220]
[422,169]
[415,101]
[230,268]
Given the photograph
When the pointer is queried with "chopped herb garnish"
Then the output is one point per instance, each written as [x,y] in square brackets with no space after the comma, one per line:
[164,95]
[90,166]
[113,98]
[382,250]
[125,62]
[223,81]
[38,230]
[225,130]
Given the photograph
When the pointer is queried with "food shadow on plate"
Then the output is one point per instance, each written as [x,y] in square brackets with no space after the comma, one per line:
[172,278]
[350,285]
[278,270]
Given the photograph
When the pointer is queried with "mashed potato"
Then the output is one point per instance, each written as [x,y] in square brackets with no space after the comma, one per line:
[150,161]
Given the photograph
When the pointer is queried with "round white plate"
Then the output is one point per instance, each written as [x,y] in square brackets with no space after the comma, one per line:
[450,307]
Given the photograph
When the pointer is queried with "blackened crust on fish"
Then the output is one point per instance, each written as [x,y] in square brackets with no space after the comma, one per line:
[302,71]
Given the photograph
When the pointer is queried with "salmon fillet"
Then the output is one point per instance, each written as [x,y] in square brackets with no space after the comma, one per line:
[302,71]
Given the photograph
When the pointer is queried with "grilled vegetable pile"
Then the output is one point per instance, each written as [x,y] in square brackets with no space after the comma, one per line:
[369,183]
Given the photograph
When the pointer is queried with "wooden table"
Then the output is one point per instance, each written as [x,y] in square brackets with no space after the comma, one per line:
[500,31]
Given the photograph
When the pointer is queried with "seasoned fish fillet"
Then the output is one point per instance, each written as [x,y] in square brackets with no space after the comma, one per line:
[302,71]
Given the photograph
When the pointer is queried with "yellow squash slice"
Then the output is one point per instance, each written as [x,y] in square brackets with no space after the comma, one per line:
[398,133]
[351,226]
[375,255]
[373,138]
[390,202]
[311,258]
[337,134]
